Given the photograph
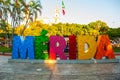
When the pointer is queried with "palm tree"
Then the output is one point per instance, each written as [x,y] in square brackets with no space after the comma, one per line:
[17,13]
[31,12]
[18,8]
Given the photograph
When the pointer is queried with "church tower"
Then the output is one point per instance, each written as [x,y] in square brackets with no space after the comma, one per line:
[56,16]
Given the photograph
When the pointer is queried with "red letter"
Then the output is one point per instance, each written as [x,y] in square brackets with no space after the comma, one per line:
[72,47]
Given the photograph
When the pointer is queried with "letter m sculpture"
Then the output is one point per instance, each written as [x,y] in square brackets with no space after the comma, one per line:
[23,48]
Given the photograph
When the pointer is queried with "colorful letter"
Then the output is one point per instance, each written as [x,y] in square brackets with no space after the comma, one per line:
[72,47]
[90,52]
[23,48]
[104,48]
[41,45]
[57,46]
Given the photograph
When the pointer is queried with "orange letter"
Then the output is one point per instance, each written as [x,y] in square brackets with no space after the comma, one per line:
[104,48]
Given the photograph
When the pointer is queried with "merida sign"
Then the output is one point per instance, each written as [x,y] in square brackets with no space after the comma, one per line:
[44,47]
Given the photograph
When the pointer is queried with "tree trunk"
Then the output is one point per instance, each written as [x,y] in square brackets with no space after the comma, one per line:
[22,32]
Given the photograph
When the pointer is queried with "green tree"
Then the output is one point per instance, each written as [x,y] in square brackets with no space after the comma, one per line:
[100,26]
[114,33]
[4,13]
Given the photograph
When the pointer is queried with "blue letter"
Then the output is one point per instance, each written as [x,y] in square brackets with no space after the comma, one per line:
[23,48]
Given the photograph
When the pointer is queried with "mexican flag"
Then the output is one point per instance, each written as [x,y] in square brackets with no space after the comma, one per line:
[63,8]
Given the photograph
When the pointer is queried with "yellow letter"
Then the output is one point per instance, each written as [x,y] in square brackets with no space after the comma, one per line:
[86,47]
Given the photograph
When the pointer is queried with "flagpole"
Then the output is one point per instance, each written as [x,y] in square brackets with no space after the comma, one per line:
[63,14]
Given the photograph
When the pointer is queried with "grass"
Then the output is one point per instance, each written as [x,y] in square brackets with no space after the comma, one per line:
[116,49]
[5,49]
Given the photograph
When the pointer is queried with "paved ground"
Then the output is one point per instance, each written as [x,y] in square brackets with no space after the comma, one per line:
[33,71]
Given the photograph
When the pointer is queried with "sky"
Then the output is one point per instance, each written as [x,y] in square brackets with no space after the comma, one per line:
[83,11]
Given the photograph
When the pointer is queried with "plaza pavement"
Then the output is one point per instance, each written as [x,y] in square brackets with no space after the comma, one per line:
[51,71]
